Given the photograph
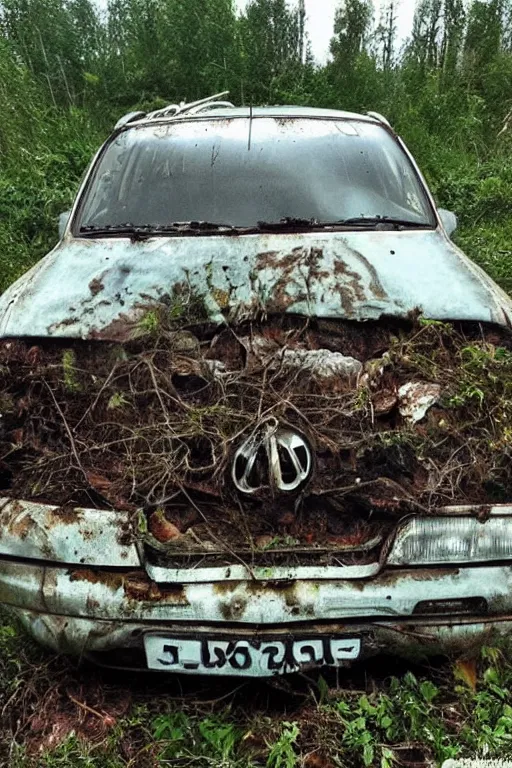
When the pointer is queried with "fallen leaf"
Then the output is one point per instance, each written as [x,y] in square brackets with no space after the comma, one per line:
[465,670]
[384,401]
[315,760]
[162,529]
[99,482]
[261,542]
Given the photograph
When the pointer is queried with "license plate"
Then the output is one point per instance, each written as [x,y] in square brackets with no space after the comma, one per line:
[248,658]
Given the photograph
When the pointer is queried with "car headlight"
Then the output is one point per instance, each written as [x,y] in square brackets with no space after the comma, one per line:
[438,540]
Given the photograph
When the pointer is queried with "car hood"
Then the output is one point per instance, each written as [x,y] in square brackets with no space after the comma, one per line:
[100,288]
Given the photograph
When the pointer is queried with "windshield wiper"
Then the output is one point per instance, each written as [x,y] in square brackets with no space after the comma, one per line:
[130,230]
[288,222]
[374,221]
[145,231]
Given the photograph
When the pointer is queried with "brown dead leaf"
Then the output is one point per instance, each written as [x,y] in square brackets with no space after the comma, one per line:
[314,760]
[162,529]
[466,670]
[99,482]
[104,486]
[262,542]
[384,401]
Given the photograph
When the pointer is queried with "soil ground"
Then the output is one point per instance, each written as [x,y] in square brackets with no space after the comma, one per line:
[57,713]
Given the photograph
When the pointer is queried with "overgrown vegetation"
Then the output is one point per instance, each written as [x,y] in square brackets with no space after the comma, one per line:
[67,72]
[57,715]
[157,418]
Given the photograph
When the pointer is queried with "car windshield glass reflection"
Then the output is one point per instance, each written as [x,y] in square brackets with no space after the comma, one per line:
[208,171]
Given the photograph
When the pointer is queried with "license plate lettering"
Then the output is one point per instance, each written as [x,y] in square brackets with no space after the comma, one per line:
[273,656]
[310,651]
[255,658]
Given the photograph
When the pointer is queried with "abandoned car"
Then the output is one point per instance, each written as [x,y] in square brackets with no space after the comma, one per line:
[254,405]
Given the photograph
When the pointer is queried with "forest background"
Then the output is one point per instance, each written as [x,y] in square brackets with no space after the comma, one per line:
[69,69]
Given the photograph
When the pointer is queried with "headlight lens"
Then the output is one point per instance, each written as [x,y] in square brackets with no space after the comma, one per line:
[436,540]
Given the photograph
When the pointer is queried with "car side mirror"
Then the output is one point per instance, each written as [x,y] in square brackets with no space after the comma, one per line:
[63,222]
[448,220]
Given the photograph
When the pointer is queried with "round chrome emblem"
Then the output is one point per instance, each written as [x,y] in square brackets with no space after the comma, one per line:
[273,457]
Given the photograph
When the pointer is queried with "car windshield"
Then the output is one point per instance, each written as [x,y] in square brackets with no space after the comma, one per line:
[241,171]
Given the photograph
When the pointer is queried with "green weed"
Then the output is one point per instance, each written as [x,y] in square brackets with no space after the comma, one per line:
[69,371]
[283,752]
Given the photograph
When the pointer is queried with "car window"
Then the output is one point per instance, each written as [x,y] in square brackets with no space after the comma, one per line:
[239,172]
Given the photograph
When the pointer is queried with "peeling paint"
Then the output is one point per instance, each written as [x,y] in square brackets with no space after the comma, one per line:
[66,534]
[348,275]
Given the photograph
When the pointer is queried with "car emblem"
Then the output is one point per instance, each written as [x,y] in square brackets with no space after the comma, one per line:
[273,457]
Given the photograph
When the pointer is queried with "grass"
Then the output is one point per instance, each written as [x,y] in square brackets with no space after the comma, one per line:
[57,714]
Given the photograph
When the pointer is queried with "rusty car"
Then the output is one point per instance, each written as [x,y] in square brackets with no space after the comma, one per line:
[313,217]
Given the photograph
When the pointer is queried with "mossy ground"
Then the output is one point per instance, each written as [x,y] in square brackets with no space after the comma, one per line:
[57,714]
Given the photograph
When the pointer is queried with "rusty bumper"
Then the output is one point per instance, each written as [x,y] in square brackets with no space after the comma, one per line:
[105,614]
[118,644]
[81,584]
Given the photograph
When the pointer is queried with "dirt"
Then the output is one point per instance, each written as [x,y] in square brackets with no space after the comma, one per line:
[154,423]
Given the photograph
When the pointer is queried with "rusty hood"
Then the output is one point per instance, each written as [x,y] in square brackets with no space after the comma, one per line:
[100,288]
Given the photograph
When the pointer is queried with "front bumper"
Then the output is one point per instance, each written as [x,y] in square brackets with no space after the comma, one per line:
[104,614]
[119,645]
[80,585]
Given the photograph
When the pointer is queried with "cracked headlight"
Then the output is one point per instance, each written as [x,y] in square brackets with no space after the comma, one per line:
[438,540]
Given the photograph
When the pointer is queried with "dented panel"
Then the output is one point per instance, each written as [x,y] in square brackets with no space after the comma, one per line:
[408,638]
[121,596]
[106,286]
[66,535]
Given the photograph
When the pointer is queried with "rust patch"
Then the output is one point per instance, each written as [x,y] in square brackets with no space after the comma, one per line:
[96,286]
[63,516]
[349,289]
[267,259]
[225,587]
[221,297]
[143,589]
[21,526]
[113,581]
[122,328]
[15,508]
[92,604]
[296,270]
[376,286]
[62,324]
[233,610]
[391,577]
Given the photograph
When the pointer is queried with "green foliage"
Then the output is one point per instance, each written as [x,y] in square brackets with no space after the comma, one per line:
[182,737]
[439,712]
[283,752]
[118,400]
[67,70]
[69,371]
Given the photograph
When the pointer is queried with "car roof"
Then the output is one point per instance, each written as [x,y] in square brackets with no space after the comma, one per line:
[290,111]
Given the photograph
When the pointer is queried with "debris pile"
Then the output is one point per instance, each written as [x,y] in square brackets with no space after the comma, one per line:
[399,417]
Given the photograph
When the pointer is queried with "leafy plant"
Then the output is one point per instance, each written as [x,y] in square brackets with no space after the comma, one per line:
[282,752]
